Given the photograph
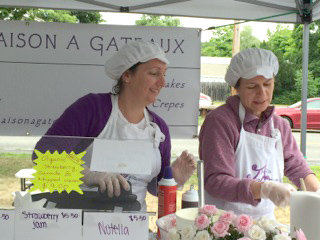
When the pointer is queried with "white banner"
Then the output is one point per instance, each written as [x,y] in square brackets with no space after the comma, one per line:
[44,67]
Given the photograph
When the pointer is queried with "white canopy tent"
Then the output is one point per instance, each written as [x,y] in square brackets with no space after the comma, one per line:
[280,11]
[284,11]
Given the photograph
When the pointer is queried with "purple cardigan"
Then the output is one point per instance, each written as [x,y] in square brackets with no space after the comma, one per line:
[87,117]
[219,137]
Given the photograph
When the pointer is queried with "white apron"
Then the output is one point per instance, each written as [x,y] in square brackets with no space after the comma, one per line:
[257,157]
[118,128]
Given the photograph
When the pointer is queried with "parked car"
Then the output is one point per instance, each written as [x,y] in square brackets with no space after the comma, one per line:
[204,100]
[205,104]
[293,114]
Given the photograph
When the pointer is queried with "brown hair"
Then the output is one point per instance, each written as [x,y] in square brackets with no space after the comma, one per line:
[237,84]
[116,89]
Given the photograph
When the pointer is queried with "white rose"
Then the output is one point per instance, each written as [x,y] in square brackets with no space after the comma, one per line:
[256,233]
[188,232]
[268,225]
[173,234]
[202,235]
[281,237]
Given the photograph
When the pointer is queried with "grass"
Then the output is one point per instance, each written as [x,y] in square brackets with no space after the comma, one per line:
[316,170]
[200,120]
[11,163]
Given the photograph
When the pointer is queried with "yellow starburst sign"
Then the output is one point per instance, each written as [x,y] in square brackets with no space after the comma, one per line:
[58,171]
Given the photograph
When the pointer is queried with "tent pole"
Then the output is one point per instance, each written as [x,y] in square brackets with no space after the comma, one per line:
[304,89]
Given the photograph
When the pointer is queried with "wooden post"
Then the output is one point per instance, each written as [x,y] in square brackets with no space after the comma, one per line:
[235,45]
[236,38]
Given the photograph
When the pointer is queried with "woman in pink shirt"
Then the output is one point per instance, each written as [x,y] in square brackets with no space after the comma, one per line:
[246,148]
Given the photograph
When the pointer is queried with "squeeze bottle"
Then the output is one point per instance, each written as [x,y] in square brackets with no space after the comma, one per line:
[190,199]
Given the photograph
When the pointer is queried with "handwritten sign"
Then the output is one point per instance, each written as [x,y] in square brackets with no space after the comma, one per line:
[116,226]
[7,224]
[48,224]
[131,157]
[56,171]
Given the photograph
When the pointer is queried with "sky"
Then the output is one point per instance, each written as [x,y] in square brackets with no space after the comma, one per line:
[259,28]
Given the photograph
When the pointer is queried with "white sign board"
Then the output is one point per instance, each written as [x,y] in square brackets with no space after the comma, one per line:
[48,224]
[7,224]
[117,226]
[131,157]
[45,67]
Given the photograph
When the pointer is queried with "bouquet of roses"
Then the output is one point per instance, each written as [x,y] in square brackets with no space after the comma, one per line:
[209,226]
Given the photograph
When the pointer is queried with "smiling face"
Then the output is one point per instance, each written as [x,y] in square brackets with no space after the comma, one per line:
[146,81]
[256,93]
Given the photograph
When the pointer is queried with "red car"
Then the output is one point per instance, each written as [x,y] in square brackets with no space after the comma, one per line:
[293,114]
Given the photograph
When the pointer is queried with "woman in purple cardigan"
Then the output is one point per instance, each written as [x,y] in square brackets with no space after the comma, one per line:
[246,148]
[139,69]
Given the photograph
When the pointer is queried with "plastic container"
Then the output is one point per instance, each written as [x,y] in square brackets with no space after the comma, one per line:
[164,224]
[190,199]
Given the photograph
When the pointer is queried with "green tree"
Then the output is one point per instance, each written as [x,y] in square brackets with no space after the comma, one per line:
[313,84]
[12,13]
[314,50]
[50,15]
[154,20]
[282,44]
[287,45]
[88,17]
[247,40]
[220,45]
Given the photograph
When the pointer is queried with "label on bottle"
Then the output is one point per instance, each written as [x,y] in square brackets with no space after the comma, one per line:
[186,204]
[167,200]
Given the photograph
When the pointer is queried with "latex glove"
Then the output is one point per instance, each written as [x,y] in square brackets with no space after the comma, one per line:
[278,193]
[183,167]
[106,181]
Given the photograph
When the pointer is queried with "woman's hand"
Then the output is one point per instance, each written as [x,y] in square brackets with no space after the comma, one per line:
[183,167]
[109,182]
[278,193]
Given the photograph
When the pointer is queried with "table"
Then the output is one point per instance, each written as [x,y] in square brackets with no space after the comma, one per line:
[23,174]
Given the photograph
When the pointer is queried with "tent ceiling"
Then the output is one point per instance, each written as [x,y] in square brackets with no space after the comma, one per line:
[279,10]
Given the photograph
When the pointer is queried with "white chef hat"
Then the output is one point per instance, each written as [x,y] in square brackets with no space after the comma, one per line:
[250,63]
[130,54]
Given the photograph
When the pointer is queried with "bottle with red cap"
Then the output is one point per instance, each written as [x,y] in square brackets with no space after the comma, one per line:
[167,193]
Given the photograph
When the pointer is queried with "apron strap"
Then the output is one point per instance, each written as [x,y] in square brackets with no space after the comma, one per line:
[242,113]
[276,134]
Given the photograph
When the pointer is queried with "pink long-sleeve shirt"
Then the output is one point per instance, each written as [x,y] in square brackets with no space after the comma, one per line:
[218,141]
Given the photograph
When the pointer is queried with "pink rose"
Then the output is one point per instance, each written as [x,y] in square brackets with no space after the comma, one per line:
[244,238]
[220,229]
[300,235]
[208,210]
[243,223]
[227,217]
[202,221]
